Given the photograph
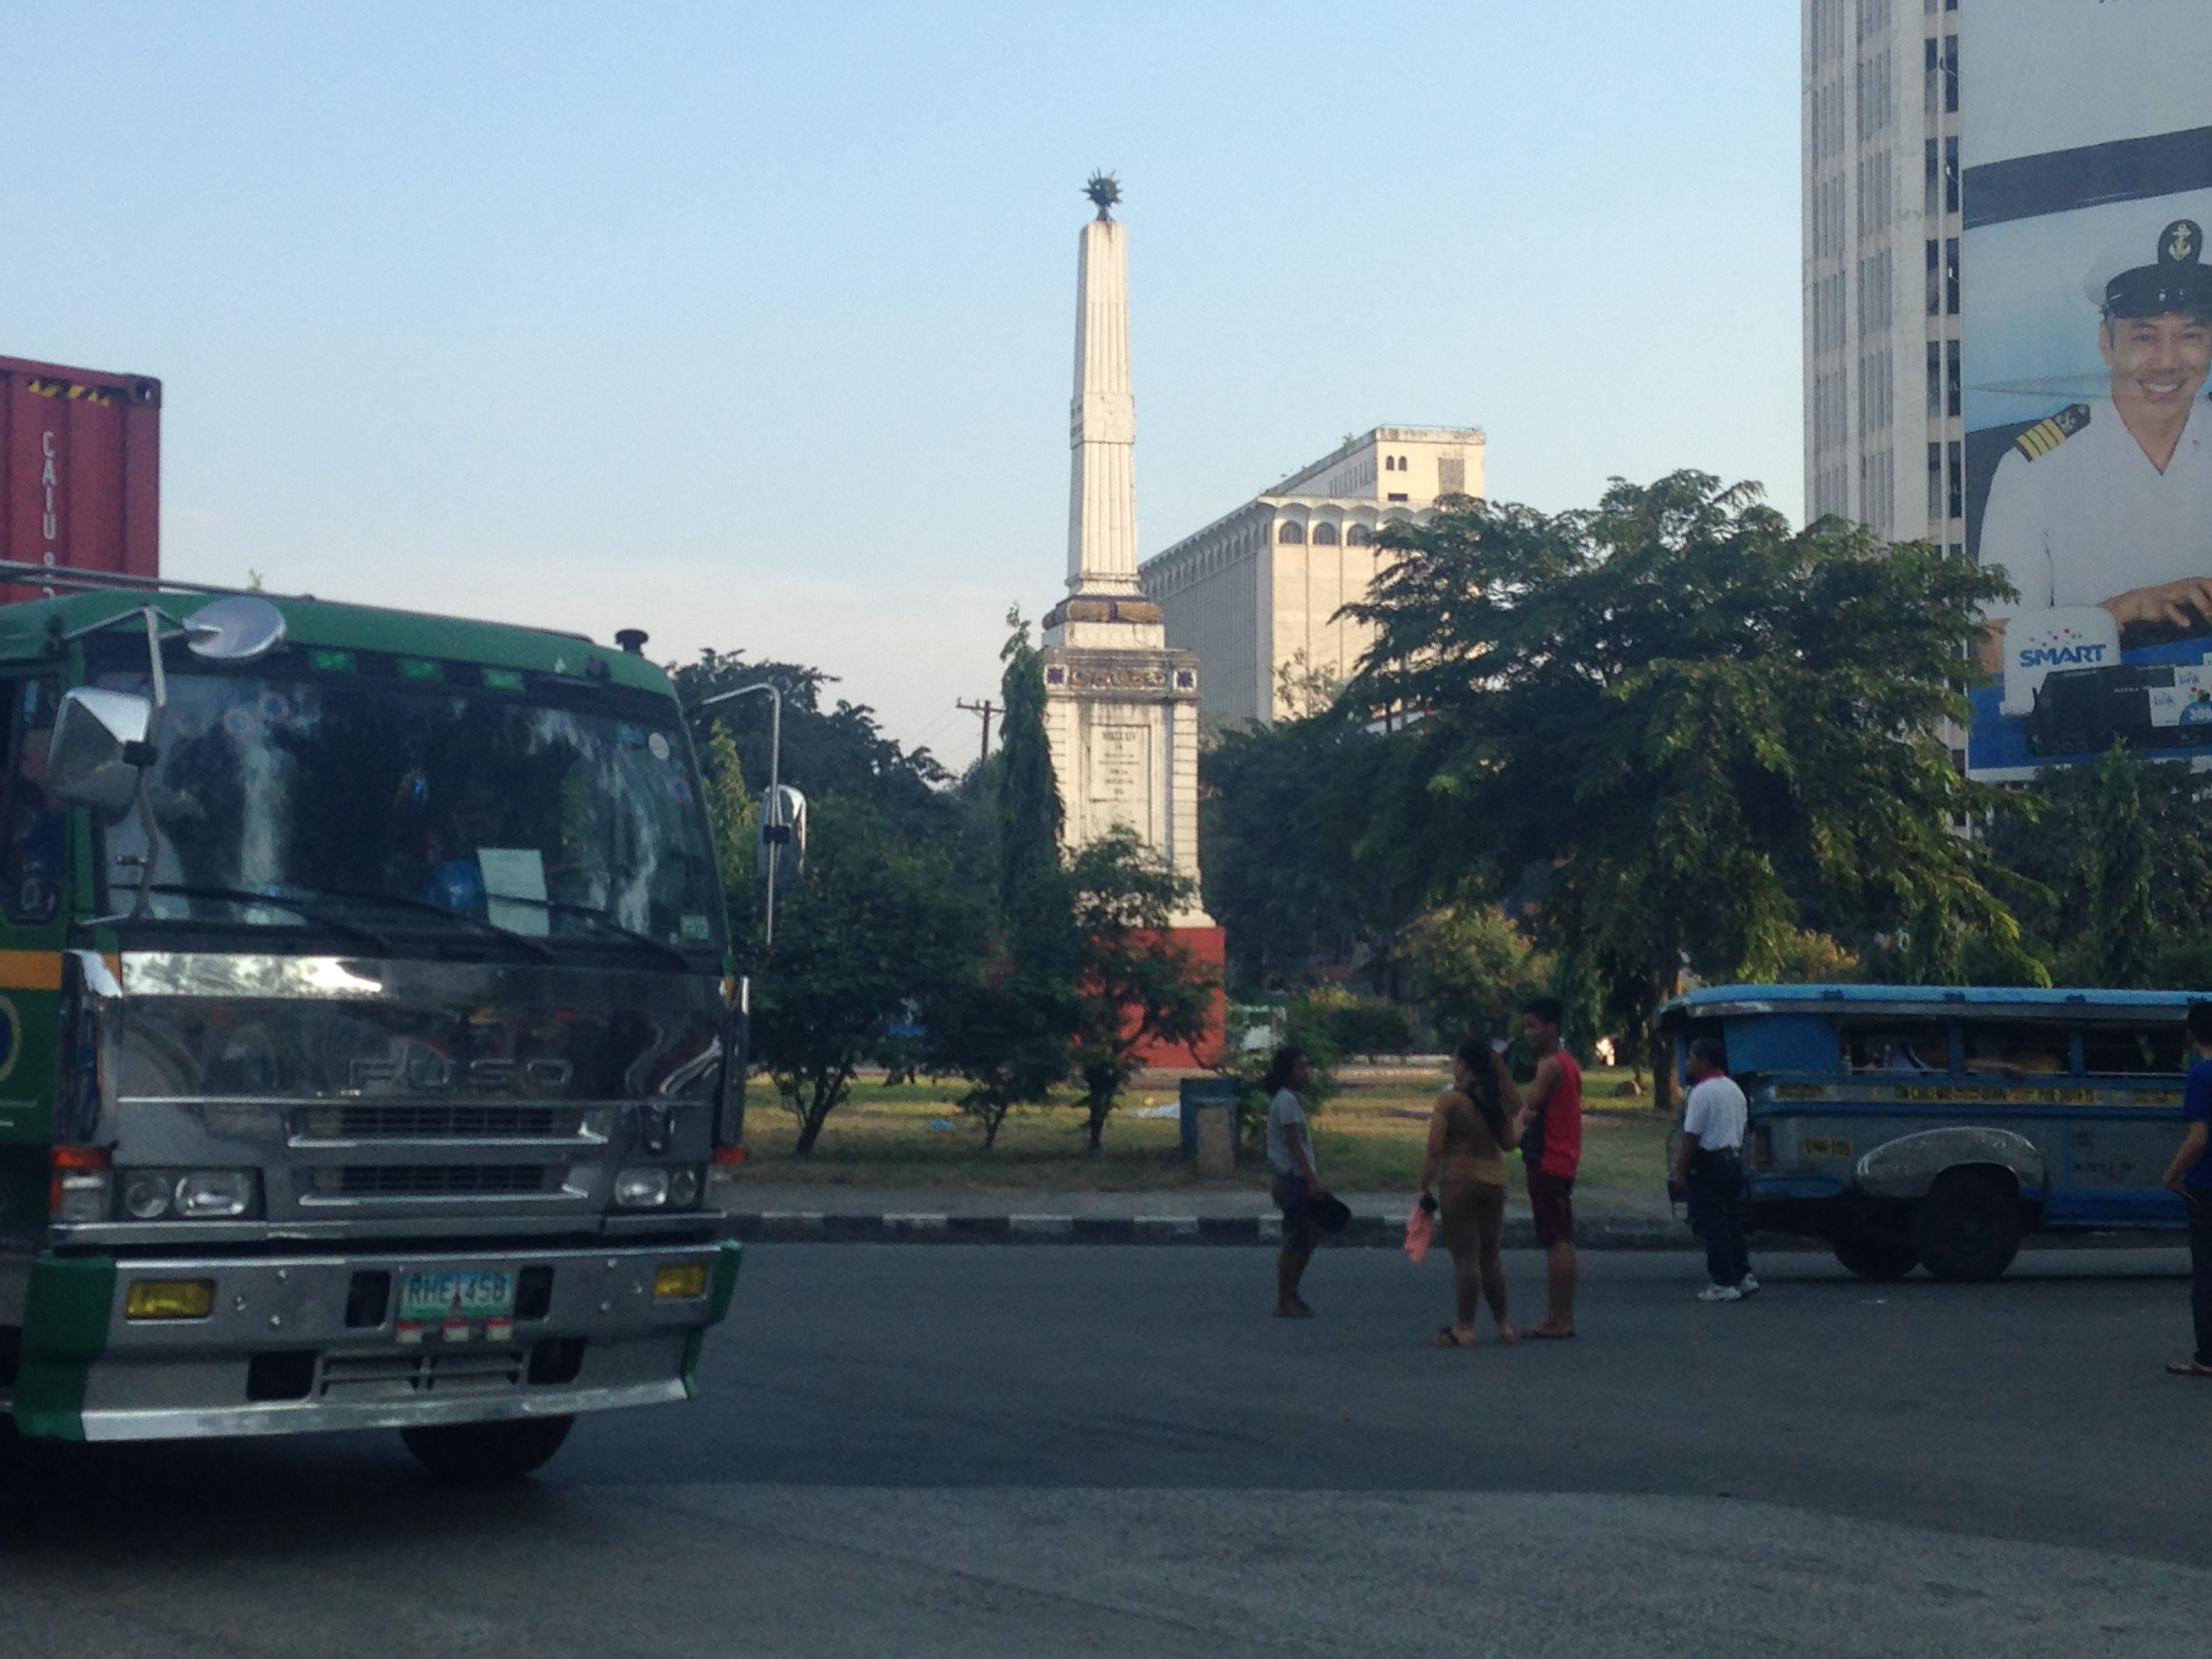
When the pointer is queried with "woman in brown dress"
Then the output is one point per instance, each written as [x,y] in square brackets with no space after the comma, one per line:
[1469,1134]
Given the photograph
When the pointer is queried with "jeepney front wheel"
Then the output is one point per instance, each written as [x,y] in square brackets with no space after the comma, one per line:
[478,1453]
[1967,1229]
[1883,1257]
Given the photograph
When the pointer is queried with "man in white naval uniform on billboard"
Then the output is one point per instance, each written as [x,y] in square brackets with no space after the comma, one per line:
[2110,503]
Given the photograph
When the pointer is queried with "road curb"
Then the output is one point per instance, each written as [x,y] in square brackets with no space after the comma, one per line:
[1364,1232]
[1368,1231]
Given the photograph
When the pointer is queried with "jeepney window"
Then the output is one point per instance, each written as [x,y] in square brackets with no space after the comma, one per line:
[2123,1050]
[30,860]
[1895,1047]
[2017,1049]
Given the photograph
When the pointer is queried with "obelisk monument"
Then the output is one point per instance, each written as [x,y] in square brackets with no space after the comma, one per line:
[1121,707]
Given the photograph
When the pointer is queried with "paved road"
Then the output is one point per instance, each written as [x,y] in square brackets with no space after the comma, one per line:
[983,1451]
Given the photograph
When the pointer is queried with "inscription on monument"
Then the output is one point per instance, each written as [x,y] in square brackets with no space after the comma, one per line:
[1119,784]
[1143,676]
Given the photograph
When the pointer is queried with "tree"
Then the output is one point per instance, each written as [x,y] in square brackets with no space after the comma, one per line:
[839,751]
[1033,893]
[2123,929]
[2109,862]
[1692,719]
[1281,807]
[1472,968]
[879,922]
[1137,986]
[733,816]
[1008,1024]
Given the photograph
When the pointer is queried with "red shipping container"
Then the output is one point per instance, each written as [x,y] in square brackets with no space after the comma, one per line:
[80,471]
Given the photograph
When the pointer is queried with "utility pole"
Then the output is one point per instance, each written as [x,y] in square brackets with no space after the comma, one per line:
[986,708]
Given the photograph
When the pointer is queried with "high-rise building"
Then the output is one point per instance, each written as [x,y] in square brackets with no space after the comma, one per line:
[1257,592]
[1884,433]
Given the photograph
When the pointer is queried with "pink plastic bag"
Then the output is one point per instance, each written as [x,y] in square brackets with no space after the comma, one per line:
[1421,1227]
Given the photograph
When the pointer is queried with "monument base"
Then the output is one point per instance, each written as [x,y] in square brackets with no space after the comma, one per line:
[1209,946]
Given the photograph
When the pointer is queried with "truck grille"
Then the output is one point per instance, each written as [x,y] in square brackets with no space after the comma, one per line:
[438,1121]
[433,1180]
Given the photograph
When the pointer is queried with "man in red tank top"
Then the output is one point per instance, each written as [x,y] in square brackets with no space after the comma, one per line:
[1552,1150]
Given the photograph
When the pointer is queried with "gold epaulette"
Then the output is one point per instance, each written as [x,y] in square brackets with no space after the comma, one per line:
[2049,433]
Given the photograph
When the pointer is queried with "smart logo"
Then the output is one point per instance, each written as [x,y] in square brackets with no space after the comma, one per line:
[2060,656]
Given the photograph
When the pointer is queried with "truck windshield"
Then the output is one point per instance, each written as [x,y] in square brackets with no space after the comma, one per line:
[548,813]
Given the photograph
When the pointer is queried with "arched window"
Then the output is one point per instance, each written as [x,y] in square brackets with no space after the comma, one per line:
[1389,463]
[1293,530]
[1359,535]
[1324,534]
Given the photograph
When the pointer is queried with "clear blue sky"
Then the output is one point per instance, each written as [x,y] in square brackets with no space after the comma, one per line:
[751,324]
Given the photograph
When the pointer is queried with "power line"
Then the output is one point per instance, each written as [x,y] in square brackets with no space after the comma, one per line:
[929,730]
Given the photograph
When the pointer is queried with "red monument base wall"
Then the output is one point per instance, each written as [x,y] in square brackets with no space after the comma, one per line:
[1211,946]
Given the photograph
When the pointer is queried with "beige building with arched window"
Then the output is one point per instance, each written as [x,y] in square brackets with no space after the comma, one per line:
[1256,592]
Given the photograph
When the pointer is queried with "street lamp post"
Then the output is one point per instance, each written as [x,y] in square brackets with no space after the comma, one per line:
[774,762]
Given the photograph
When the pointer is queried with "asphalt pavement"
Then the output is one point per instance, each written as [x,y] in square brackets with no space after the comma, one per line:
[981,1451]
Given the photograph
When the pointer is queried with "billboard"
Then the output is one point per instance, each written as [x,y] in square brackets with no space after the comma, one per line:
[2086,141]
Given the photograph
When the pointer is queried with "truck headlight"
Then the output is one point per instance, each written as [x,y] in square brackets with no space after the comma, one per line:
[213,1195]
[146,1195]
[641,1190]
[187,1194]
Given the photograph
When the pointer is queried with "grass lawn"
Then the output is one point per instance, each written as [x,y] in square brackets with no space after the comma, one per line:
[1368,1138]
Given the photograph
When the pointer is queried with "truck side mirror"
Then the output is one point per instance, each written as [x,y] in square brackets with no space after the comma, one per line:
[244,627]
[783,835]
[99,749]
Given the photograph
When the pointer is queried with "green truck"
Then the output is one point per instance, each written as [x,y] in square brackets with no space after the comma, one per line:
[369,1052]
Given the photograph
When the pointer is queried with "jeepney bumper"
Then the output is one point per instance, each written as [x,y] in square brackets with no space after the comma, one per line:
[291,1344]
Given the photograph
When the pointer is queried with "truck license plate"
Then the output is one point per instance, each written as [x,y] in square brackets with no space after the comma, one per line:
[454,1303]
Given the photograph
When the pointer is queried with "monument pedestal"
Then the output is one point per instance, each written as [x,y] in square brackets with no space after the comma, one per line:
[1121,719]
[1210,945]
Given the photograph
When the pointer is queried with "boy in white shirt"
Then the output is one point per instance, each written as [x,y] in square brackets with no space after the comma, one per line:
[1712,1167]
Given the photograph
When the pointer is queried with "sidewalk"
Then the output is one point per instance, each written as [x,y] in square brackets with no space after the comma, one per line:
[1617,1219]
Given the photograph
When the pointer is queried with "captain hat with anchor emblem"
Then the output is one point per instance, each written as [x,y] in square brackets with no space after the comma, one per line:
[2177,280]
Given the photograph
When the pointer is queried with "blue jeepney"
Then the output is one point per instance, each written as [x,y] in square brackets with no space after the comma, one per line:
[1938,1124]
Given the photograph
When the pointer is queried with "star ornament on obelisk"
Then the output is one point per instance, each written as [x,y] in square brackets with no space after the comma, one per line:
[1104,190]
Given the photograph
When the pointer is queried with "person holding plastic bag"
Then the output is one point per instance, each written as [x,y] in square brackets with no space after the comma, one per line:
[1463,1183]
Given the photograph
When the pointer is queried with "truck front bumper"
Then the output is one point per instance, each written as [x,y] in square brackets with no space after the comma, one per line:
[299,1343]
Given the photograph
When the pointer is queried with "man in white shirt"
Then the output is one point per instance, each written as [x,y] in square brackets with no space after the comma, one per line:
[1711,1166]
[2110,503]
